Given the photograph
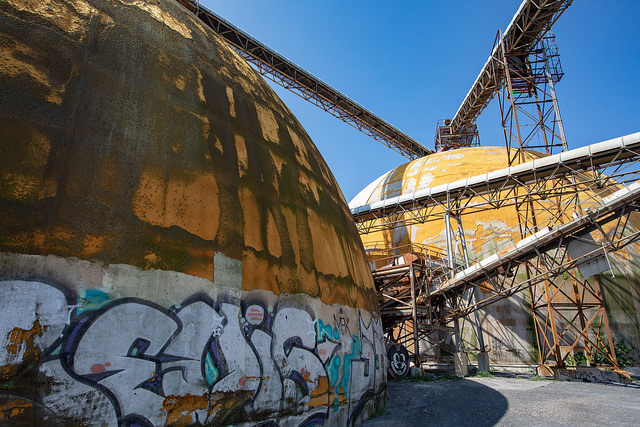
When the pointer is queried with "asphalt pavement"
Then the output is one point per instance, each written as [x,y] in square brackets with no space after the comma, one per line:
[508,401]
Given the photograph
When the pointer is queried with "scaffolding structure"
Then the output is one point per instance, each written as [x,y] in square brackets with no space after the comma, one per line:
[528,103]
[423,291]
[527,28]
[568,310]
[449,138]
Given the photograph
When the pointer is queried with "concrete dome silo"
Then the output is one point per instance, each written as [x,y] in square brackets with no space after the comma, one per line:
[173,248]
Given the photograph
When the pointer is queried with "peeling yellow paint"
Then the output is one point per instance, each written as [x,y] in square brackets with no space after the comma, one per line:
[232,102]
[177,406]
[59,13]
[302,156]
[189,202]
[320,395]
[292,231]
[179,82]
[13,65]
[22,341]
[225,72]
[268,123]
[21,187]
[273,237]
[252,219]
[196,22]
[93,245]
[308,186]
[15,407]
[106,21]
[327,251]
[243,158]
[257,274]
[204,123]
[161,16]
[277,161]
[220,403]
[218,145]
[199,86]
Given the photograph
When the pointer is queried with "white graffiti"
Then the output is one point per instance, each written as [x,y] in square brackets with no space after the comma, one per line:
[133,362]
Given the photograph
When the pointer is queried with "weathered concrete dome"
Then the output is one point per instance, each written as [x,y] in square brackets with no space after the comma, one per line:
[173,248]
[508,323]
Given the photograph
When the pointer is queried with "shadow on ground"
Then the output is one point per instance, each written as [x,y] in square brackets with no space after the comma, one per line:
[442,403]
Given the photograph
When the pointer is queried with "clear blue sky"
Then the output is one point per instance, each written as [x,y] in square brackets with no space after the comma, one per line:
[412,63]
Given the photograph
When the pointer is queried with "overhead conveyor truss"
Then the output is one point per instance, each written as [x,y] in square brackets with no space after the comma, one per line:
[527,28]
[301,82]
[617,206]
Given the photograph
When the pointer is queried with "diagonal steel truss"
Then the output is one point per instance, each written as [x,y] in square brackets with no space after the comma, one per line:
[531,120]
[527,28]
[291,76]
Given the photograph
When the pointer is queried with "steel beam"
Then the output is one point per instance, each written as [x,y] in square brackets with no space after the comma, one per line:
[526,29]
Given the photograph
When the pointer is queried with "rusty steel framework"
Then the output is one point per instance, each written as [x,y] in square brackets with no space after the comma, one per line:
[528,27]
[423,290]
[449,138]
[531,121]
[442,285]
[402,282]
[284,72]
[528,104]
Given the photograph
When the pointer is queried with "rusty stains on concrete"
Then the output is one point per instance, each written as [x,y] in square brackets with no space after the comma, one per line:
[179,408]
[186,200]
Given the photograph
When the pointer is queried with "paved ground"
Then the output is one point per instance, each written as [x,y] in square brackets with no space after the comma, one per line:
[506,401]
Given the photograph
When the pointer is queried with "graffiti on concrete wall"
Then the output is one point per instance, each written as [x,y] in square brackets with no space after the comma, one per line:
[131,361]
[576,359]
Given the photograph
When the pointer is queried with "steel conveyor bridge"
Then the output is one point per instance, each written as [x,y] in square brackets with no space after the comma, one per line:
[301,82]
[528,26]
[549,244]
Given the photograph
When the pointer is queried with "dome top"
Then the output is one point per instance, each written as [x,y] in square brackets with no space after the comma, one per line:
[436,169]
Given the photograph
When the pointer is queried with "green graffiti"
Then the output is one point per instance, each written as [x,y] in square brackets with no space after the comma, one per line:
[93,299]
[327,331]
[339,370]
[356,351]
[210,370]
